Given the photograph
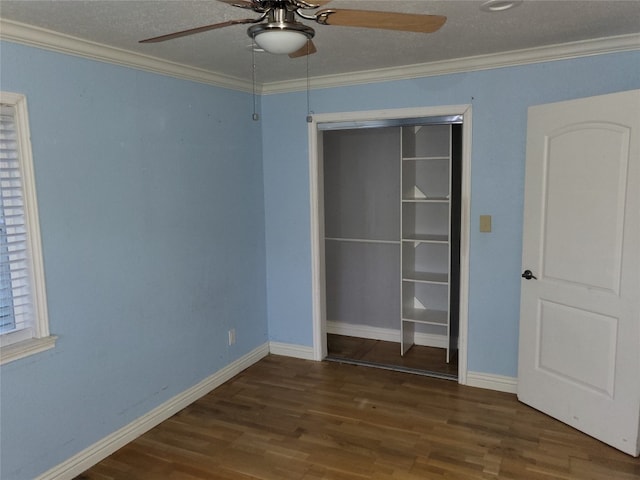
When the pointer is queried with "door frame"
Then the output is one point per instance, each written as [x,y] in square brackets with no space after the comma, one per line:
[316,184]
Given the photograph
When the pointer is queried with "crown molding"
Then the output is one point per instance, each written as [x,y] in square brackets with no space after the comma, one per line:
[512,58]
[58,42]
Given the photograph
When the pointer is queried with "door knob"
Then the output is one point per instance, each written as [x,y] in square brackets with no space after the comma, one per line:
[528,274]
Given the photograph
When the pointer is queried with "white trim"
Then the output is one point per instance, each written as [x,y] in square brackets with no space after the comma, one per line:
[292,350]
[24,348]
[316,198]
[58,42]
[386,334]
[490,381]
[363,331]
[465,245]
[41,340]
[317,216]
[39,295]
[512,58]
[85,459]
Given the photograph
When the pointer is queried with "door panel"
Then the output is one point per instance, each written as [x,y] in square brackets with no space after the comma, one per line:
[569,338]
[584,192]
[579,357]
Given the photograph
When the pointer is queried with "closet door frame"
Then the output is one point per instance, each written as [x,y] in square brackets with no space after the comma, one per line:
[316,189]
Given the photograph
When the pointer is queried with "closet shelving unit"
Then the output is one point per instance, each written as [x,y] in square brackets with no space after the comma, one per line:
[426,227]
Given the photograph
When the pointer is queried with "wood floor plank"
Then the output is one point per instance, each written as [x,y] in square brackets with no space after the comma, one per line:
[289,419]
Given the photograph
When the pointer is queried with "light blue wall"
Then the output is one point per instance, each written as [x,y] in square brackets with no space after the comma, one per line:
[500,98]
[155,199]
[150,192]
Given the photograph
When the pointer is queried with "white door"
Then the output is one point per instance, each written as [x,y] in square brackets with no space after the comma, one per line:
[579,356]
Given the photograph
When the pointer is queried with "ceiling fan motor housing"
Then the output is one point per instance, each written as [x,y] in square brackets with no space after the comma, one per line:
[281,19]
[282,33]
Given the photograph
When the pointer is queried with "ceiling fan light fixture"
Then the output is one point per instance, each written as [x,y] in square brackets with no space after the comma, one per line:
[280,38]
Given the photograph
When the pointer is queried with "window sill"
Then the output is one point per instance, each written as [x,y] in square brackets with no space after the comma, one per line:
[26,348]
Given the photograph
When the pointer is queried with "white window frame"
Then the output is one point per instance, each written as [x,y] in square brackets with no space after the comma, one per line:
[36,338]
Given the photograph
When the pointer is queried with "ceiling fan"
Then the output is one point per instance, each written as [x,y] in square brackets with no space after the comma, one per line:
[276,30]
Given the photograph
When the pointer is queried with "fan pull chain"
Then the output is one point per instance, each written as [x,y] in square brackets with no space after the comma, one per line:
[255,115]
[309,112]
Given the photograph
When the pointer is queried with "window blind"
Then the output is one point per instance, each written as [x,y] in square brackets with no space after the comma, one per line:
[14,261]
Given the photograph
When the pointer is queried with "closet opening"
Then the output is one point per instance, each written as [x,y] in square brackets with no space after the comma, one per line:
[390,227]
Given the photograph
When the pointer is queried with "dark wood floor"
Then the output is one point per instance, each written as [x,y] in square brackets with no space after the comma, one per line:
[286,418]
[387,354]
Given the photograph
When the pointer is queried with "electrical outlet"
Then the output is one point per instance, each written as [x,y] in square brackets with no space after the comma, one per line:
[232,336]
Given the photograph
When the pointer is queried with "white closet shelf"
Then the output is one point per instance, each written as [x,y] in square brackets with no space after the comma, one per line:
[426,238]
[426,277]
[435,157]
[361,240]
[425,316]
[425,200]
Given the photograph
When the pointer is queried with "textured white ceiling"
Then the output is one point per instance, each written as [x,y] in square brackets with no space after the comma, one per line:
[467,32]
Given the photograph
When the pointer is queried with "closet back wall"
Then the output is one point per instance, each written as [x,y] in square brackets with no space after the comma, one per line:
[361,207]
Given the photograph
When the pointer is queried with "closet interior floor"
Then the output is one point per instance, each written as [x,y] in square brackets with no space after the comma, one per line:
[425,360]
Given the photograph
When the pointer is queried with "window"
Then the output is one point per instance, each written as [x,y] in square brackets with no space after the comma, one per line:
[24,325]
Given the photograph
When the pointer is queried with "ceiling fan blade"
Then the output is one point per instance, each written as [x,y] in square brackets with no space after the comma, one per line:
[307,49]
[319,3]
[239,3]
[192,31]
[406,22]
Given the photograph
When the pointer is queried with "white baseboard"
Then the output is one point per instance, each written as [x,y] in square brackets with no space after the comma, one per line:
[386,334]
[492,382]
[291,350]
[85,459]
